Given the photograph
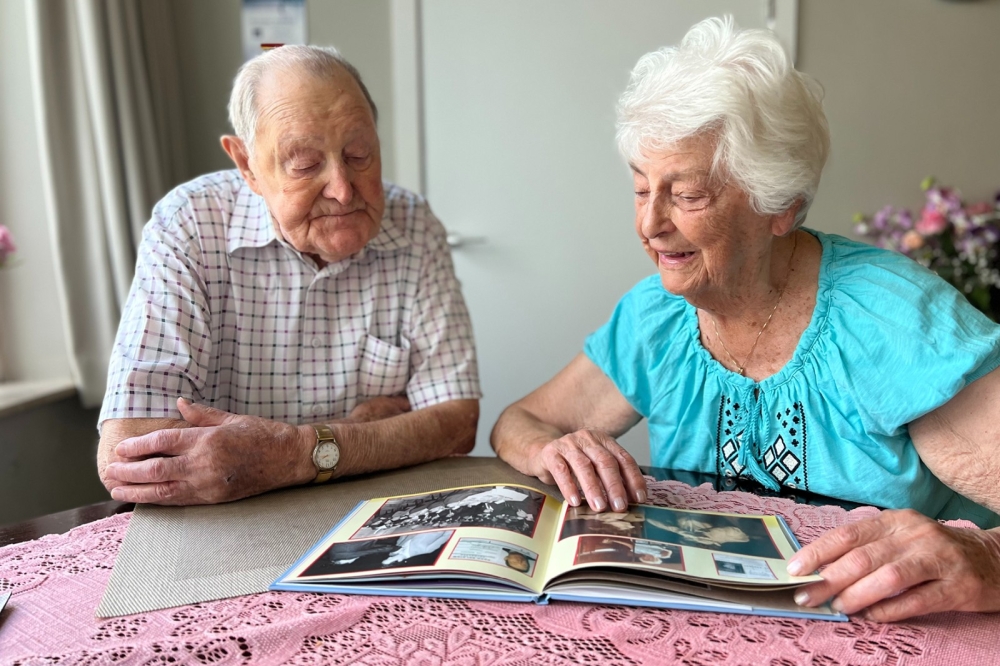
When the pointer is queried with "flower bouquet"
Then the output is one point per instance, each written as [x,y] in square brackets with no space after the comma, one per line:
[959,242]
[7,246]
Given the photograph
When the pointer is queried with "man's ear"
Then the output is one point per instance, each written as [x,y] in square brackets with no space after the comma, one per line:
[237,152]
[783,224]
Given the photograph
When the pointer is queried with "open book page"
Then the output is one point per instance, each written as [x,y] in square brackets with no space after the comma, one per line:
[732,550]
[498,532]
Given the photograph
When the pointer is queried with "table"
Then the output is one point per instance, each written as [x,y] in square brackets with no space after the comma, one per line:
[57,582]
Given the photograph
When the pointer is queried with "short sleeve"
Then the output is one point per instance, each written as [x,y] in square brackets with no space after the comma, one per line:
[621,348]
[442,350]
[163,345]
[908,341]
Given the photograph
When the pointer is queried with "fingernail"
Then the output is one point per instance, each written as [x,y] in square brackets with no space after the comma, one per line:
[620,504]
[837,605]
[574,500]
[599,504]
[117,494]
[795,568]
[641,496]
[186,401]
[801,597]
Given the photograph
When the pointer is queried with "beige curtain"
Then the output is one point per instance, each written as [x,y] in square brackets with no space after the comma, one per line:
[111,136]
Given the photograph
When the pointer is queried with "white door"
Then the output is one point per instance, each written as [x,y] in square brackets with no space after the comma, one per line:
[521,162]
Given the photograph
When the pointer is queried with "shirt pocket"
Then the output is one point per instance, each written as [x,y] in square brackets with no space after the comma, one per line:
[384,369]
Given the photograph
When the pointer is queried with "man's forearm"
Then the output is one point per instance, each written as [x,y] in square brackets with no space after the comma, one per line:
[407,439]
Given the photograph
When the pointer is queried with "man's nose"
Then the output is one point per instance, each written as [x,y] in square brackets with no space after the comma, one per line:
[339,184]
[657,215]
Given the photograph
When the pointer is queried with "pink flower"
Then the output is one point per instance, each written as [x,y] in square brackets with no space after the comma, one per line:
[932,222]
[980,208]
[912,241]
[7,246]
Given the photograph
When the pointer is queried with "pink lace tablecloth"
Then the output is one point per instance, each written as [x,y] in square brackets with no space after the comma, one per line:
[57,583]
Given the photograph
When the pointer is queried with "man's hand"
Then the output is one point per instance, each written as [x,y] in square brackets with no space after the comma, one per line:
[592,461]
[902,564]
[222,457]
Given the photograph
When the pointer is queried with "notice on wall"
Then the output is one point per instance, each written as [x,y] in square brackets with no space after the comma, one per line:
[270,23]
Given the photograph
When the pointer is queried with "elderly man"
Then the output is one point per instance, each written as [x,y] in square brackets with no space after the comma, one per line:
[286,316]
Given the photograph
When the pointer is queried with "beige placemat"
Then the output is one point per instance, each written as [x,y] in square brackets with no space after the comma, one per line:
[173,556]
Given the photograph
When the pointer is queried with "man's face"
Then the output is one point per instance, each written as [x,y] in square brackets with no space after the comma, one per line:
[317,163]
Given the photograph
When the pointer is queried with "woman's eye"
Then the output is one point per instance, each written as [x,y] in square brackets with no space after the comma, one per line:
[304,168]
[642,193]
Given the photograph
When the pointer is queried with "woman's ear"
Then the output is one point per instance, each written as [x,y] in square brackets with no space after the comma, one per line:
[783,223]
[237,152]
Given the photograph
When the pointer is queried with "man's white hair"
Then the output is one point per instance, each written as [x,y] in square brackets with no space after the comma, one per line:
[772,135]
[319,61]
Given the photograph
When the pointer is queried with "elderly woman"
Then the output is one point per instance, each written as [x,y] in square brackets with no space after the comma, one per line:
[765,350]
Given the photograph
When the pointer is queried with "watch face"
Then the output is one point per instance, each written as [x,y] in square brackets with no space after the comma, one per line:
[327,455]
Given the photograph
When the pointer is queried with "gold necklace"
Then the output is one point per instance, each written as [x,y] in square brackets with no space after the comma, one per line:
[741,368]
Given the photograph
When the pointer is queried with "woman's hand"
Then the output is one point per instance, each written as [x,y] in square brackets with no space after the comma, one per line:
[590,461]
[902,564]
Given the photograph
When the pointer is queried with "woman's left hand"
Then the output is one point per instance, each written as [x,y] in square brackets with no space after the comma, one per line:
[902,564]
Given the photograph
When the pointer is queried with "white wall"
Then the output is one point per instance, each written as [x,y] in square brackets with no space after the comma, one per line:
[32,344]
[208,39]
[912,90]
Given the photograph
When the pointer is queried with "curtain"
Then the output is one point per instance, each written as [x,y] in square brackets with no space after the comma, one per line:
[107,94]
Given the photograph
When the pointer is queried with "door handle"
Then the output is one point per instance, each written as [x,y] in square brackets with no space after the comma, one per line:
[456,240]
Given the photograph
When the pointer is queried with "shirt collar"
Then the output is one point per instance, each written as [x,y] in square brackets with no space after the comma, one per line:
[250,226]
[250,223]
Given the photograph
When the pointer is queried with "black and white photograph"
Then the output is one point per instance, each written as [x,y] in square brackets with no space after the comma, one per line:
[729,534]
[509,508]
[412,550]
[500,553]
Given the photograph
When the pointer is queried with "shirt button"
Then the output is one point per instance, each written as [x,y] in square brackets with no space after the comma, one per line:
[317,409]
[316,342]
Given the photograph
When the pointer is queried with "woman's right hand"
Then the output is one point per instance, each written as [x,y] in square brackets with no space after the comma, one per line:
[589,464]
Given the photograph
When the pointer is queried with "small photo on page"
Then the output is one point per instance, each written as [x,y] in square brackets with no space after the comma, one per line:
[500,553]
[372,555]
[509,508]
[618,550]
[583,520]
[733,566]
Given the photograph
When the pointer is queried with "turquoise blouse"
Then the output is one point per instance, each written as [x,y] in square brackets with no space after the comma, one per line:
[888,342]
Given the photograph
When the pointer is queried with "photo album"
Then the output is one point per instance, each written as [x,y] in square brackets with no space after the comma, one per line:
[514,543]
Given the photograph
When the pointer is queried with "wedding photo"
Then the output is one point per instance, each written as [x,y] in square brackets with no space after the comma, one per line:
[509,508]
[413,550]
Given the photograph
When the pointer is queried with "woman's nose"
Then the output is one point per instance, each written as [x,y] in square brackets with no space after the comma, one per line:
[655,218]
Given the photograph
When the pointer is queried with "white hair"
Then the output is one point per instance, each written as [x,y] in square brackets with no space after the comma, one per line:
[319,61]
[738,85]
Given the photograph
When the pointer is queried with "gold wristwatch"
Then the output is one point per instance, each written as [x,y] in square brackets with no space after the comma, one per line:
[326,453]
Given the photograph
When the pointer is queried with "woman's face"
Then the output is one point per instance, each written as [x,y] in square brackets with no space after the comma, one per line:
[697,228]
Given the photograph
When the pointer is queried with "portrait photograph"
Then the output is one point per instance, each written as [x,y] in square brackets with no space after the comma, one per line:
[412,550]
[509,508]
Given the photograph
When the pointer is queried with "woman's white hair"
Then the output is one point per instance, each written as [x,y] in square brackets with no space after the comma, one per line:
[318,61]
[767,118]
